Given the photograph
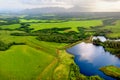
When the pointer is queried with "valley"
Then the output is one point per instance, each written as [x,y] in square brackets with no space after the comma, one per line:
[36,49]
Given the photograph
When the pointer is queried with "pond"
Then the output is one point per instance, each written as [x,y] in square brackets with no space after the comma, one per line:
[90,58]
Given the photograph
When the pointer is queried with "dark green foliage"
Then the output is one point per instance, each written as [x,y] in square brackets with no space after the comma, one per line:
[112,44]
[103,32]
[75,74]
[9,21]
[109,21]
[95,78]
[81,31]
[4,46]
[24,34]
[96,42]
[53,35]
[113,47]
[25,27]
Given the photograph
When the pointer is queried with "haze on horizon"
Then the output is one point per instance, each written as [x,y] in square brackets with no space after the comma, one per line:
[80,5]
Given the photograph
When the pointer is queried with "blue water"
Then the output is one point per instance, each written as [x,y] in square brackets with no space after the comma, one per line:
[90,58]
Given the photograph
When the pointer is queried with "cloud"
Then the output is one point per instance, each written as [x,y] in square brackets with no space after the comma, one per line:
[111,0]
[49,3]
[43,2]
[84,5]
[56,2]
[107,6]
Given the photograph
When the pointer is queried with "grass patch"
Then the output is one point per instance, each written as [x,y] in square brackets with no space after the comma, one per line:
[111,71]
[53,23]
[115,30]
[29,21]
[33,61]
[37,59]
[72,24]
[12,26]
[3,21]
[23,62]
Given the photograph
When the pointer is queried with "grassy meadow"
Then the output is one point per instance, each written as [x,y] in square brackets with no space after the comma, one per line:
[11,26]
[111,71]
[40,60]
[2,21]
[72,24]
[30,21]
[115,30]
[23,63]
[39,21]
[34,61]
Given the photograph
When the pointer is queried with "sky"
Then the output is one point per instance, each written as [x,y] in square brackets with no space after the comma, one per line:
[85,5]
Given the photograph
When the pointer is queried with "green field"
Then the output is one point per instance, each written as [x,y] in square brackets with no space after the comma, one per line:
[2,21]
[33,61]
[23,63]
[72,24]
[12,26]
[37,60]
[115,30]
[30,21]
[39,21]
[7,38]
[111,71]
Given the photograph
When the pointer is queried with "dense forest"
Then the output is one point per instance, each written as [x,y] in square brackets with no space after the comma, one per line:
[53,34]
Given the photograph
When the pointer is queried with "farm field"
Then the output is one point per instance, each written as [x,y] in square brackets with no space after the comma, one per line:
[28,61]
[31,20]
[23,63]
[72,24]
[115,30]
[11,26]
[2,21]
[59,39]
[40,21]
[41,60]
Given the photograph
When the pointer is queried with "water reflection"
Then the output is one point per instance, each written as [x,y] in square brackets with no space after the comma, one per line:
[90,58]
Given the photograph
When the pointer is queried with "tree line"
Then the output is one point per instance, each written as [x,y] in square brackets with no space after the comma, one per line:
[8,21]
[54,34]
[109,21]
[4,46]
[75,74]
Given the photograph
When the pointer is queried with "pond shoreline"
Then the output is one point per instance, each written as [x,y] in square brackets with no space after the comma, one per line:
[89,41]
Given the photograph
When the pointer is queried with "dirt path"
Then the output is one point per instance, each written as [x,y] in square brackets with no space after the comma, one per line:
[47,69]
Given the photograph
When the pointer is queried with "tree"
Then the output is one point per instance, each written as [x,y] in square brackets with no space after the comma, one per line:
[96,41]
[25,27]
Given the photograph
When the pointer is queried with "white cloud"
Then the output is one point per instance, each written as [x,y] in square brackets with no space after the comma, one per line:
[107,6]
[91,5]
[48,3]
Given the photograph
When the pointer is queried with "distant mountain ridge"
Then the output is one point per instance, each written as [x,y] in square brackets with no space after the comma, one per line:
[54,10]
[45,10]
